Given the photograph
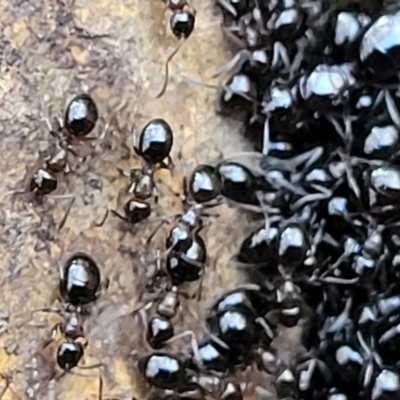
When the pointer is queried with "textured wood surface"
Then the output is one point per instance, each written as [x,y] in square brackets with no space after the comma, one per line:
[51,50]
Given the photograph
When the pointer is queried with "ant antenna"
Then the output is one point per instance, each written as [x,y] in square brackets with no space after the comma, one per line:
[168,60]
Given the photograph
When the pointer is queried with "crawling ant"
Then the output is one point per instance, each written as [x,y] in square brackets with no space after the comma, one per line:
[80,118]
[79,286]
[182,23]
[186,252]
[159,327]
[154,146]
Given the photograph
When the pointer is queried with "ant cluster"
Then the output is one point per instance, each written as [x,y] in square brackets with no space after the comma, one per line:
[317,86]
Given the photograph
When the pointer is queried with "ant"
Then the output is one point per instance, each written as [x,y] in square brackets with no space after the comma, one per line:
[79,286]
[186,251]
[154,146]
[80,118]
[182,23]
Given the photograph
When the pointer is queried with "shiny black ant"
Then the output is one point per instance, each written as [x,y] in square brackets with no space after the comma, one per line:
[186,252]
[154,147]
[182,23]
[80,118]
[79,286]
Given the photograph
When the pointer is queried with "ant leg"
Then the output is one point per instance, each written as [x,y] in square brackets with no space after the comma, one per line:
[261,321]
[124,173]
[7,385]
[185,186]
[280,53]
[219,342]
[193,341]
[169,58]
[191,7]
[102,222]
[266,138]
[228,6]
[64,220]
[93,366]
[100,386]
[200,289]
[171,164]
[392,109]
[154,190]
[233,66]
[117,214]
[135,142]
[158,227]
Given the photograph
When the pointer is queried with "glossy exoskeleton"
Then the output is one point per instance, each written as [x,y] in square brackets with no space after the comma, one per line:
[204,184]
[239,325]
[293,246]
[169,304]
[238,183]
[155,141]
[81,115]
[135,211]
[186,264]
[386,385]
[155,144]
[80,280]
[290,304]
[200,191]
[43,183]
[186,250]
[159,330]
[69,354]
[260,249]
[379,48]
[326,86]
[238,95]
[347,29]
[182,23]
[163,371]
[212,357]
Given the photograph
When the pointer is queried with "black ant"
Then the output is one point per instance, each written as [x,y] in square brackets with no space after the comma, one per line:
[79,286]
[186,251]
[155,144]
[80,118]
[182,23]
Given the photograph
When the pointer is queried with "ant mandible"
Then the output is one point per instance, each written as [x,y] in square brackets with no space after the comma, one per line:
[182,23]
